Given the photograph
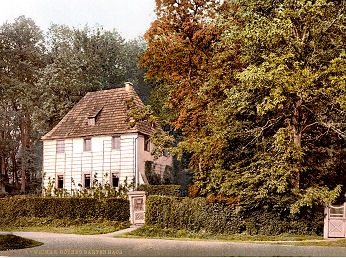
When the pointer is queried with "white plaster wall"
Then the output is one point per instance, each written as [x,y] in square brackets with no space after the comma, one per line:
[102,160]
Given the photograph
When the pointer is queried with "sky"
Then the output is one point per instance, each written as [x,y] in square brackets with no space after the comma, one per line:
[130,18]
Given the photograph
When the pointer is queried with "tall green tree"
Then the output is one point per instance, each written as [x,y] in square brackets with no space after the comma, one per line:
[83,60]
[22,58]
[283,120]
[133,50]
[79,61]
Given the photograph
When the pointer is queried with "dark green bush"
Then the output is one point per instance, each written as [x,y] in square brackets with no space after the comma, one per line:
[196,214]
[149,170]
[10,242]
[191,214]
[172,190]
[71,208]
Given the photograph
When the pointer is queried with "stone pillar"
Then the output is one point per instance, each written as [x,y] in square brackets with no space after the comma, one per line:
[137,207]
[326,223]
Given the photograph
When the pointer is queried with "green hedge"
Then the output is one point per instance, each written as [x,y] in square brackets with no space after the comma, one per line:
[195,214]
[191,214]
[172,190]
[70,208]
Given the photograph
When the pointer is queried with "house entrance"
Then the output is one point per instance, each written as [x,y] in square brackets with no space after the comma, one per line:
[335,221]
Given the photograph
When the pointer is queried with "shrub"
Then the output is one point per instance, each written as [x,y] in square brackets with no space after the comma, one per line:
[97,190]
[197,214]
[149,170]
[72,208]
[191,214]
[9,242]
[172,190]
[168,176]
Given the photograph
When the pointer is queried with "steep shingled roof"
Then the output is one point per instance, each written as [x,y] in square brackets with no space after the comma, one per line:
[110,110]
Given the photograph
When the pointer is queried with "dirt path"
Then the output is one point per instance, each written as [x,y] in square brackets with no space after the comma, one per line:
[106,245]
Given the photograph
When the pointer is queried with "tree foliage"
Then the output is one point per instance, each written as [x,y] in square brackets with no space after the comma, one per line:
[22,57]
[261,106]
[287,104]
[179,60]
[83,60]
[178,56]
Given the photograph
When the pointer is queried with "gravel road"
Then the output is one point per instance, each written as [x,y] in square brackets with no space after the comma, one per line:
[107,245]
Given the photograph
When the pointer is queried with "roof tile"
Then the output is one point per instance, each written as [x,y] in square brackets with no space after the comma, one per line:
[108,107]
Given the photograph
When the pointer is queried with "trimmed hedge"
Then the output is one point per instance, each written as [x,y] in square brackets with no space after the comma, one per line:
[191,214]
[195,214]
[68,208]
[172,190]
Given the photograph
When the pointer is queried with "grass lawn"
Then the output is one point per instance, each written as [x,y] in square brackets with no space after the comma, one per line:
[9,242]
[66,226]
[335,242]
[93,226]
[287,239]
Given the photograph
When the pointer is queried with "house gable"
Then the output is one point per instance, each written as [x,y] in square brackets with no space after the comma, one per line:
[100,113]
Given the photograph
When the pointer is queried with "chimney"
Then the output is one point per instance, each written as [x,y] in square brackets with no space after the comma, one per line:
[128,86]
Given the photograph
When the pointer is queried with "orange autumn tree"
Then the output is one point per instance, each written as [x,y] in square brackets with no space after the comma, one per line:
[182,43]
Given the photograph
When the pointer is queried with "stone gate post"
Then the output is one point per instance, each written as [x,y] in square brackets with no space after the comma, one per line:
[326,222]
[137,207]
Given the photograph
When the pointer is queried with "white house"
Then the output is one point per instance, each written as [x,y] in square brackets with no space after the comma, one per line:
[96,140]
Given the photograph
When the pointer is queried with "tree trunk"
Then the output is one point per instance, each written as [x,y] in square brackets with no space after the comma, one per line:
[297,139]
[2,178]
[298,120]
[25,142]
[3,175]
[14,169]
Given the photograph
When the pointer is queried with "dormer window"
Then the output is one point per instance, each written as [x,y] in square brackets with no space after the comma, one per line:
[91,121]
[93,115]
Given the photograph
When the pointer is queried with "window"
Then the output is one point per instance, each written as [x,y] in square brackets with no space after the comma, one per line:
[146,143]
[60,182]
[91,121]
[115,180]
[94,114]
[60,146]
[116,142]
[87,144]
[87,181]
